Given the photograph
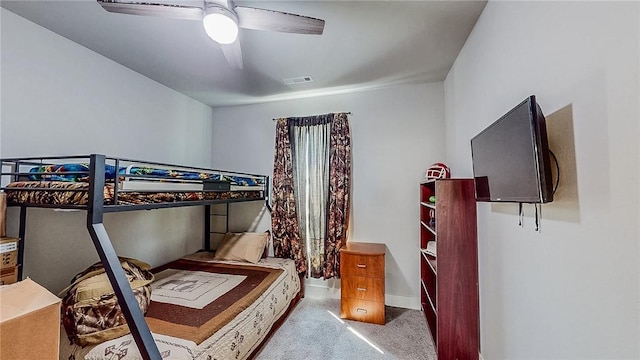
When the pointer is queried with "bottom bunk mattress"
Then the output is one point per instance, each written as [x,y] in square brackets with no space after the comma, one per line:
[206,309]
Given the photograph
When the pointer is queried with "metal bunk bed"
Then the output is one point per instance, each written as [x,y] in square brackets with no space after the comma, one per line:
[96,206]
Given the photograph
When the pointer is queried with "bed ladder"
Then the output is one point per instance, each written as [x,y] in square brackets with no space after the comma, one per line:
[95,211]
[208,214]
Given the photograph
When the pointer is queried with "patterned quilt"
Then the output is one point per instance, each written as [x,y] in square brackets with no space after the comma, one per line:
[230,327]
[67,172]
[80,172]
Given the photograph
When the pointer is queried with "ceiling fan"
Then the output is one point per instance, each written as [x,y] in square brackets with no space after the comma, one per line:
[221,20]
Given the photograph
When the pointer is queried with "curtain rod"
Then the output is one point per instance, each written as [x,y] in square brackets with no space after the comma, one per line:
[343,112]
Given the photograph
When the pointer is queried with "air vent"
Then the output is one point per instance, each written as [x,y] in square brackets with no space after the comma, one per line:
[298,80]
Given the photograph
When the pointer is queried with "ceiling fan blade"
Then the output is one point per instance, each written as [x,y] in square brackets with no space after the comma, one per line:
[270,20]
[151,9]
[233,54]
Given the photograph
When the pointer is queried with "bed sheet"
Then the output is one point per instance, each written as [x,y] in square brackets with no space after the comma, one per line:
[236,339]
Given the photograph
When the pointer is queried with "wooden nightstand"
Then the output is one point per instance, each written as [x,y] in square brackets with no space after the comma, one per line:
[362,288]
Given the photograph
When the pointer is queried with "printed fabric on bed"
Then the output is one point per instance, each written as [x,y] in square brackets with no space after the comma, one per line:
[239,180]
[167,173]
[68,172]
[190,175]
[80,172]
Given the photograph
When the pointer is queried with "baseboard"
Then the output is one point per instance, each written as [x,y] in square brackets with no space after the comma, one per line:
[330,289]
[406,302]
[324,289]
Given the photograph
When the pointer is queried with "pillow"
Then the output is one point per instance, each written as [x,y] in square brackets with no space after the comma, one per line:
[246,247]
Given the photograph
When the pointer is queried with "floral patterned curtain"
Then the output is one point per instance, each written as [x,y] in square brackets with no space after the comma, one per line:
[339,194]
[287,236]
[287,242]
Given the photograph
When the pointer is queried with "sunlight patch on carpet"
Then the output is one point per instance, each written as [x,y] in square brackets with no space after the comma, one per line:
[335,316]
[364,339]
[356,333]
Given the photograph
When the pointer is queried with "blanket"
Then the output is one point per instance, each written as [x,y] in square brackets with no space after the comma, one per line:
[198,324]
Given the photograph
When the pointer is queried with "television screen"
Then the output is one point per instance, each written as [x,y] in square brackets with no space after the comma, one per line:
[511,157]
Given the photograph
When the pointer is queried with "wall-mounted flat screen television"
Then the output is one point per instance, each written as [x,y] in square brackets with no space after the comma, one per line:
[511,158]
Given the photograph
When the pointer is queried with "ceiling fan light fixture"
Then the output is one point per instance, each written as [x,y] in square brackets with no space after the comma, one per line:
[220,24]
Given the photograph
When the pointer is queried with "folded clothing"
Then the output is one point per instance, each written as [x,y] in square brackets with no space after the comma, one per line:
[431,248]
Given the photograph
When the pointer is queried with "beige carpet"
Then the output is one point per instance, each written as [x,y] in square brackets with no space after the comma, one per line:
[312,332]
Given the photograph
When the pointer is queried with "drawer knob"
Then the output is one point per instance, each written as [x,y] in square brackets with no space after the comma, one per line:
[362,289]
[362,265]
[361,310]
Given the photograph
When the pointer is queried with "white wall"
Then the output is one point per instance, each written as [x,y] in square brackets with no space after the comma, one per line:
[59,98]
[571,291]
[396,134]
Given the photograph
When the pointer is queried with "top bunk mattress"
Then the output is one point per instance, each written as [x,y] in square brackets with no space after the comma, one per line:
[45,182]
[66,193]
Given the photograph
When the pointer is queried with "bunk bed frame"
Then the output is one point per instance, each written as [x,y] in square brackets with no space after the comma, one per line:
[96,208]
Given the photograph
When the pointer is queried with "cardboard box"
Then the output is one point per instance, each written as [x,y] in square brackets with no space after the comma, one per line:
[8,276]
[9,252]
[29,322]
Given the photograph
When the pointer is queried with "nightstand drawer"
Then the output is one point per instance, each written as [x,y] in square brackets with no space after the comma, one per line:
[362,285]
[362,310]
[362,265]
[363,288]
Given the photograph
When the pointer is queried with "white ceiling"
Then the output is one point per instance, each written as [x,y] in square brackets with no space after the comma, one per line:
[366,44]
